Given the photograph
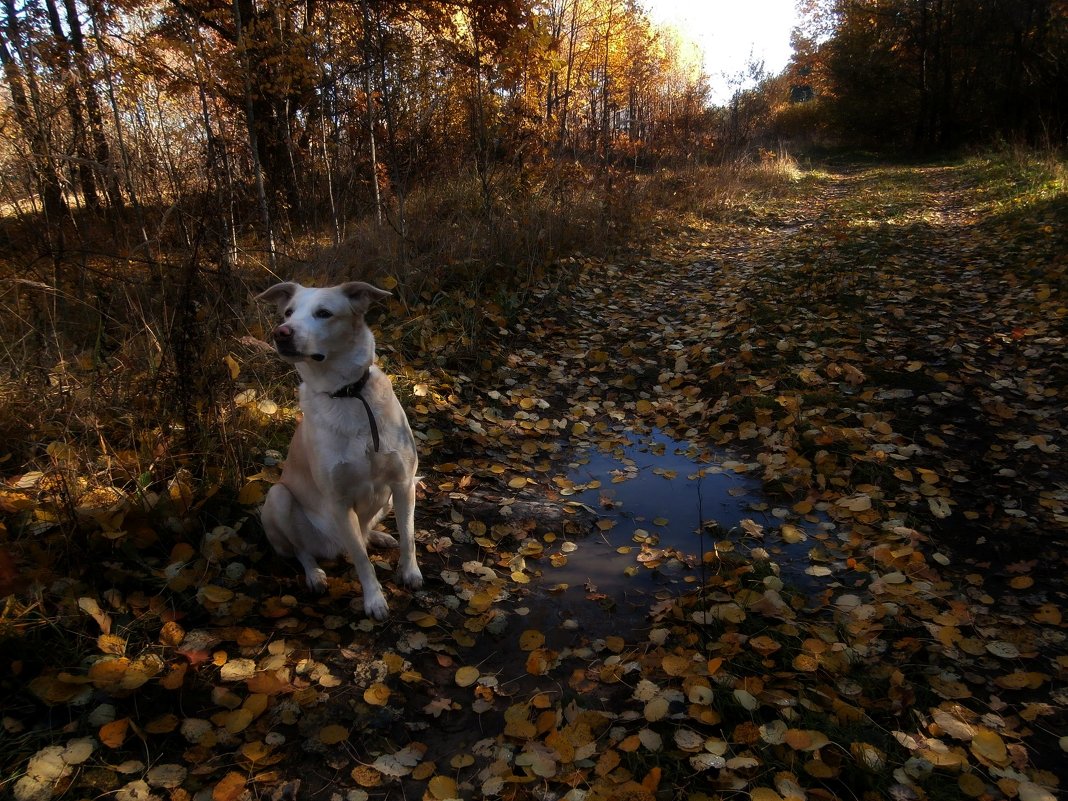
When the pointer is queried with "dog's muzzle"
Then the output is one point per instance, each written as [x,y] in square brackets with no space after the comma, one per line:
[283,342]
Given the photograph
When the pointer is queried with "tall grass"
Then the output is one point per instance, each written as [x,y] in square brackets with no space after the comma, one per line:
[121,366]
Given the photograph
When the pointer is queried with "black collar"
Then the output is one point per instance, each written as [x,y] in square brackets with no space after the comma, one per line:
[354,390]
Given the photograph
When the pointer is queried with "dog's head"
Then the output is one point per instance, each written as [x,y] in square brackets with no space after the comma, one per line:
[320,323]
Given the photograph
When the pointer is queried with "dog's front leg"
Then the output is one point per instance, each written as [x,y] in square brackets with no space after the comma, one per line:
[404,508]
[374,601]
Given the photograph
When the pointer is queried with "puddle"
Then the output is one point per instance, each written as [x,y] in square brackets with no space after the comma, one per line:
[668,502]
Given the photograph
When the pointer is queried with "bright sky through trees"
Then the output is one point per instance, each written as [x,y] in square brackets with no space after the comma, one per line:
[729,31]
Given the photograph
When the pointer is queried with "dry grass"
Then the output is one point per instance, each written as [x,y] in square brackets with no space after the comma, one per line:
[120,374]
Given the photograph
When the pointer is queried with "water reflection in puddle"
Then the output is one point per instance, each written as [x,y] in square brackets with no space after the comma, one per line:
[669,502]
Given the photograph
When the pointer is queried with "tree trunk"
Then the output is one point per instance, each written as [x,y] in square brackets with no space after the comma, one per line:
[398,181]
[26,104]
[253,139]
[131,190]
[94,113]
[572,42]
[83,166]
[606,86]
[367,55]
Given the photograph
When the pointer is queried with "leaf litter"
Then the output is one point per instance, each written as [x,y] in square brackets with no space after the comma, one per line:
[896,394]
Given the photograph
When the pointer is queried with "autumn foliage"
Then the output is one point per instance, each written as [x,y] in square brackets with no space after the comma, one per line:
[868,356]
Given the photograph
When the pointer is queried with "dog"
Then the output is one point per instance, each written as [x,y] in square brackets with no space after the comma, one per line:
[353,455]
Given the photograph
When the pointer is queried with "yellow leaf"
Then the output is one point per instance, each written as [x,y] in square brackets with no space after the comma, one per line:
[971,785]
[164,724]
[366,776]
[252,494]
[111,644]
[232,366]
[868,756]
[518,482]
[856,503]
[256,751]
[114,734]
[229,788]
[676,665]
[1021,680]
[820,770]
[531,640]
[175,676]
[423,620]
[171,634]
[256,703]
[107,673]
[990,749]
[215,594]
[268,683]
[442,787]
[377,694]
[607,762]
[237,721]
[949,689]
[333,734]
[764,645]
[805,739]
[423,771]
[1048,613]
[466,676]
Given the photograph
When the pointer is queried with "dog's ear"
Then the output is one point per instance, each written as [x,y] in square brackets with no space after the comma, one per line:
[362,295]
[279,294]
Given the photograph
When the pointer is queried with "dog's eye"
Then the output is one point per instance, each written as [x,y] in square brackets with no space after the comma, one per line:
[288,313]
[322,314]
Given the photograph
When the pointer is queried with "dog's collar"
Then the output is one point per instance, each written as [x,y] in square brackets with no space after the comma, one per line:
[354,390]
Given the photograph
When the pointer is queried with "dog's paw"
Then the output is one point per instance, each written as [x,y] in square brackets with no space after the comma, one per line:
[381,539]
[410,577]
[375,606]
[316,580]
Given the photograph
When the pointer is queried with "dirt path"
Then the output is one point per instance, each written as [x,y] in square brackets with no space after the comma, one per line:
[881,346]
[876,310]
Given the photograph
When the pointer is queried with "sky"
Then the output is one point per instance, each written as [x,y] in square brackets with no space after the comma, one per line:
[728,31]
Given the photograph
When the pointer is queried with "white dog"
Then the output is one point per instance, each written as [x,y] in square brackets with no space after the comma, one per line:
[354,449]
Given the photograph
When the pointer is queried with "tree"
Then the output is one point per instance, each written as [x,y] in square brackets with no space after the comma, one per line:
[943,72]
[17,55]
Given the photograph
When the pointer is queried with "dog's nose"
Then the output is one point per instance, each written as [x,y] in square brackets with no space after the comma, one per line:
[283,332]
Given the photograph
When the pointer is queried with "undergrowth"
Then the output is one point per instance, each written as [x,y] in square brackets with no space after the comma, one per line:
[140,397]
[121,368]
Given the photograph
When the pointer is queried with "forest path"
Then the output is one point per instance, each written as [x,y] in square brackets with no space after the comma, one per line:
[894,322]
[874,354]
[883,346]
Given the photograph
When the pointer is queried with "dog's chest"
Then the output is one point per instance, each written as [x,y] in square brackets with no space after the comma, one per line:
[340,445]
